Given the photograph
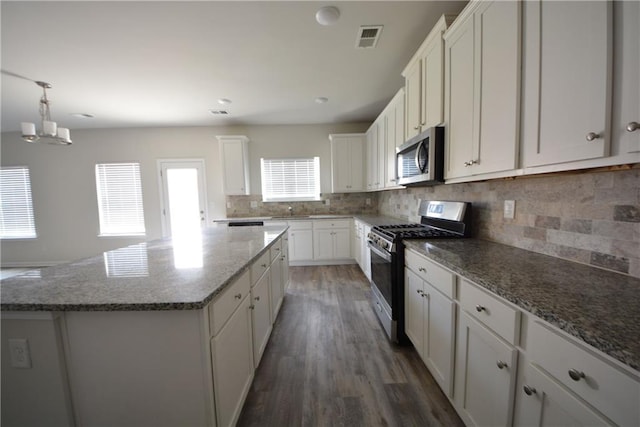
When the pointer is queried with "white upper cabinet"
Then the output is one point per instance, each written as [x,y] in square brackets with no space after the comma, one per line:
[424,82]
[347,162]
[482,89]
[234,156]
[374,136]
[567,81]
[393,137]
[626,78]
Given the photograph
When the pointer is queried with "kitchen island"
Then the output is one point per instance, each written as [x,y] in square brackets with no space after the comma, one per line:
[159,333]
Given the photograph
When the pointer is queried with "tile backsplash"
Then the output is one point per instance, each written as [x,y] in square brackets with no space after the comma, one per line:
[330,204]
[590,217]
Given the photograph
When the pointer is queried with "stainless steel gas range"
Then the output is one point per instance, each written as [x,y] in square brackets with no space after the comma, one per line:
[438,220]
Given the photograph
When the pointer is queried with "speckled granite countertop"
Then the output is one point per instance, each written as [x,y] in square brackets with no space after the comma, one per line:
[599,307]
[158,275]
[369,219]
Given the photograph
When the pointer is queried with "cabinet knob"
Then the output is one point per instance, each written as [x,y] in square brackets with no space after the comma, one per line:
[419,291]
[576,375]
[416,127]
[480,308]
[252,307]
[500,364]
[264,265]
[257,298]
[592,135]
[528,390]
[424,270]
[423,123]
[633,126]
[238,296]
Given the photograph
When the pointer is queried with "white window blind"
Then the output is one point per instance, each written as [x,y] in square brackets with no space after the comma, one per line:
[290,179]
[16,206]
[120,199]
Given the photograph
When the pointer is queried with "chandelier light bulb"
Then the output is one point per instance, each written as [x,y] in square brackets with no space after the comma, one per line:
[50,133]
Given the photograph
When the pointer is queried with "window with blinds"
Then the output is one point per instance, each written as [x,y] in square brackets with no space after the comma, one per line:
[120,199]
[16,206]
[290,179]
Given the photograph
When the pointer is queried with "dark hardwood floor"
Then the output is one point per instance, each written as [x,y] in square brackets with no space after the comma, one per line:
[329,363]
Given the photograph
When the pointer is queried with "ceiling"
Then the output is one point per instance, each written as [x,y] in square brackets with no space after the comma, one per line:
[166,63]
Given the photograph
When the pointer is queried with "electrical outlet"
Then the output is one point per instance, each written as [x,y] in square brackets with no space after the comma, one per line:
[254,204]
[228,205]
[20,355]
[327,202]
[367,201]
[509,209]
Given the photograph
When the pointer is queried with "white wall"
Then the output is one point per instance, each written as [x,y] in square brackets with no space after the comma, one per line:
[63,180]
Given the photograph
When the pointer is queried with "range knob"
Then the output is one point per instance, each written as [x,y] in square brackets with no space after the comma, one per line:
[384,244]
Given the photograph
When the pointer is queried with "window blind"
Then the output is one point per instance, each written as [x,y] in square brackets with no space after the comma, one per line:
[290,179]
[16,206]
[120,199]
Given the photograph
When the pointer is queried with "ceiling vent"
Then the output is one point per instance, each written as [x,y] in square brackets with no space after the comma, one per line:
[218,111]
[368,36]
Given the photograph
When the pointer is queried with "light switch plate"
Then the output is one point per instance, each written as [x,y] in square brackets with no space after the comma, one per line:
[509,209]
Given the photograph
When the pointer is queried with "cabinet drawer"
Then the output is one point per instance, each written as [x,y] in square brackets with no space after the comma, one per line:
[276,249]
[503,319]
[438,277]
[300,225]
[260,266]
[608,389]
[223,307]
[332,223]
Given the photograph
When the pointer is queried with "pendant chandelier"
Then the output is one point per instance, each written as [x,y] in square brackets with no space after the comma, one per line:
[49,133]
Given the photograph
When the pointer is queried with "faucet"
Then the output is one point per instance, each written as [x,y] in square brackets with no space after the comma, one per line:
[290,211]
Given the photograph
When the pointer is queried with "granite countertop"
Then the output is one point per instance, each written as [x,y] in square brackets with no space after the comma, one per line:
[599,307]
[369,219]
[165,274]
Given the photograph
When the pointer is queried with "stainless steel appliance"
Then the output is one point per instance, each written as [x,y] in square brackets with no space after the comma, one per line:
[420,160]
[438,220]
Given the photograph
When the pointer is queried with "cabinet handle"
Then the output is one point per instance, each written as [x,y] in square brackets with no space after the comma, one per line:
[424,270]
[480,308]
[576,375]
[528,390]
[592,135]
[419,291]
[257,298]
[238,296]
[633,126]
[470,163]
[501,365]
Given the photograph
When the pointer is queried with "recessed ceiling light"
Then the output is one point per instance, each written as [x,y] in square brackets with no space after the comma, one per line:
[327,15]
[82,115]
[321,100]
[224,101]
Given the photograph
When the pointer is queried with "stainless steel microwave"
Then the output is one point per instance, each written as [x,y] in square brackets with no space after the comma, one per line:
[420,160]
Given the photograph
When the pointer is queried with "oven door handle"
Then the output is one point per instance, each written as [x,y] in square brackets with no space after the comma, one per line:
[384,255]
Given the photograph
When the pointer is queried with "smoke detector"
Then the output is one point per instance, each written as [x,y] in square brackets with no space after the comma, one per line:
[368,36]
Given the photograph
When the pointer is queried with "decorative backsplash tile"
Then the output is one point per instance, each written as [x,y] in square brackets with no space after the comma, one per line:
[589,217]
[338,204]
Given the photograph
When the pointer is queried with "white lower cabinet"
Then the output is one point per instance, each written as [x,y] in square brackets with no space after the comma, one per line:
[277,288]
[261,320]
[545,403]
[284,263]
[430,325]
[232,356]
[300,240]
[485,375]
[332,239]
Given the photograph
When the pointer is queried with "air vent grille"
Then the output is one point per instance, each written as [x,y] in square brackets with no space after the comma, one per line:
[368,36]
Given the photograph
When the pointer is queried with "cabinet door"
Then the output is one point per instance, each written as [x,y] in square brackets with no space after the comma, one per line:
[342,243]
[546,403]
[382,153]
[413,91]
[276,288]
[497,96]
[567,80]
[626,79]
[439,312]
[390,146]
[459,81]
[433,84]
[372,156]
[413,310]
[285,265]
[260,317]
[323,244]
[356,246]
[232,354]
[233,167]
[340,166]
[487,370]
[300,245]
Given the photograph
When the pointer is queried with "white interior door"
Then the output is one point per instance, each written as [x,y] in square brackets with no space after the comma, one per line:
[183,196]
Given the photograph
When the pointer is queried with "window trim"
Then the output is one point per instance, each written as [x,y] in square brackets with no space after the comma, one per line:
[101,221]
[318,183]
[29,208]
